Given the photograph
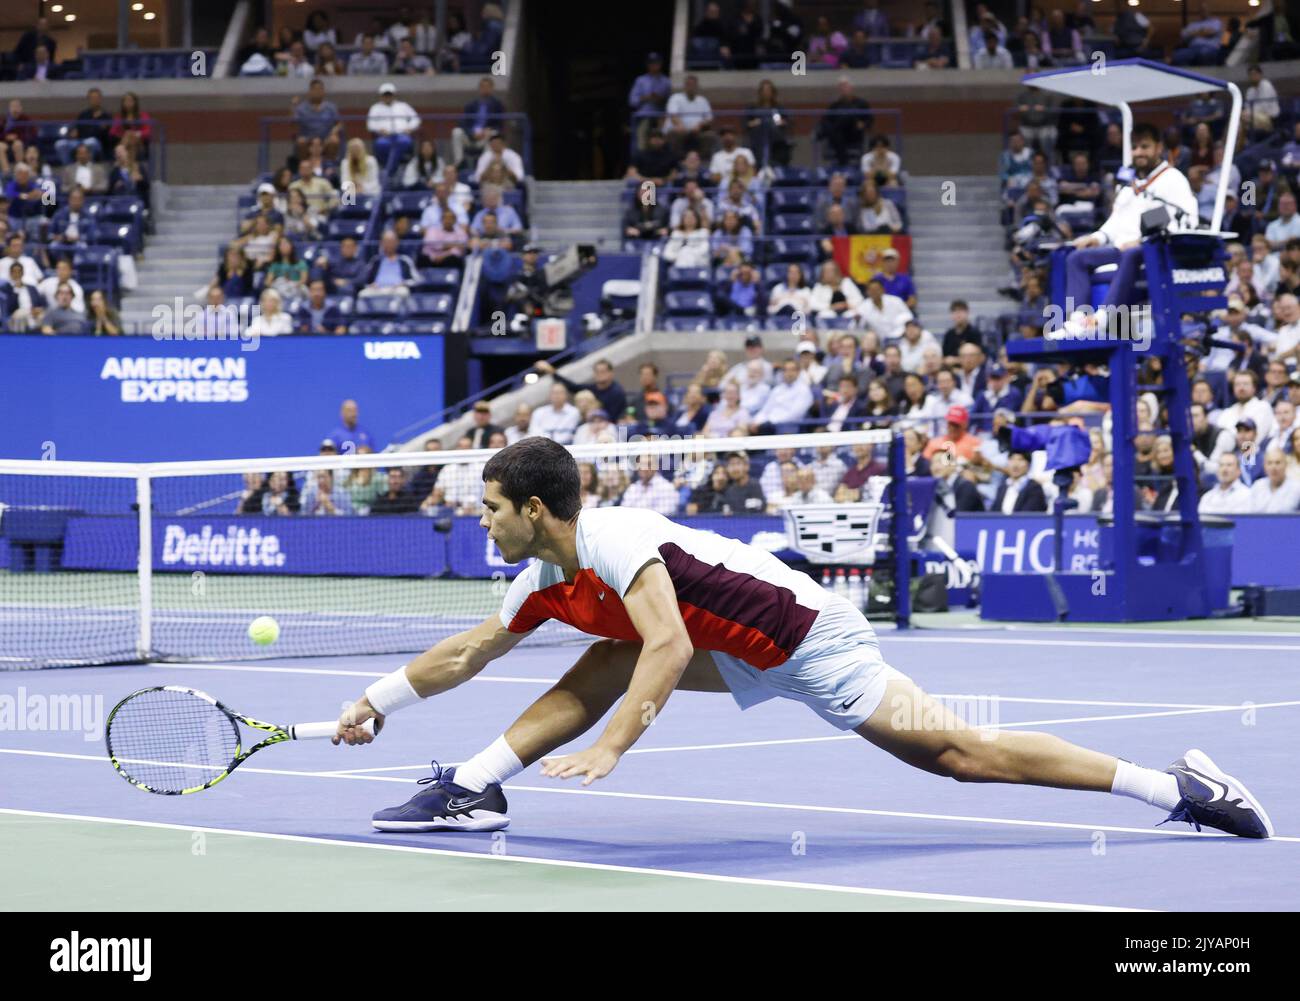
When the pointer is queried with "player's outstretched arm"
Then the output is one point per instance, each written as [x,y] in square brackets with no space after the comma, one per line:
[447,664]
[666,649]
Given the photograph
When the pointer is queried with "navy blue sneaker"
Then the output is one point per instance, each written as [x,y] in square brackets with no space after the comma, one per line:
[445,806]
[1214,798]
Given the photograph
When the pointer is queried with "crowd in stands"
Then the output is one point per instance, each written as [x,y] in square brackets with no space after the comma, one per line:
[74,210]
[369,234]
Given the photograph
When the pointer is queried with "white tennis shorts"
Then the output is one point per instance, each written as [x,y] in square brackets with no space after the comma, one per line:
[837,670]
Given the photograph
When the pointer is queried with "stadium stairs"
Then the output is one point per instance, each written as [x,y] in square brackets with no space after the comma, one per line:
[566,212]
[957,249]
[194,222]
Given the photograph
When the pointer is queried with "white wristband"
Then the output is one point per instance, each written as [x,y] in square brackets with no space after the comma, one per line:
[392,692]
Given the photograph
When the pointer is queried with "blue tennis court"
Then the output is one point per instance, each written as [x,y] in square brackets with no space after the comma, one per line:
[766,809]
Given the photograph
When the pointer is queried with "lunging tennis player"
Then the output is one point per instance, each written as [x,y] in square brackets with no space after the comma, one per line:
[681,608]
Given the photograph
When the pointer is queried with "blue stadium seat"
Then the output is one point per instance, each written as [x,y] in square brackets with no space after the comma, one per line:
[791,201]
[336,229]
[792,177]
[683,279]
[411,327]
[379,305]
[343,303]
[797,250]
[406,203]
[688,304]
[371,327]
[437,280]
[430,305]
[703,54]
[360,209]
[787,224]
[682,324]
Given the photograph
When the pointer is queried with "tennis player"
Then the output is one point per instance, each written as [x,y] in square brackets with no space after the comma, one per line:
[685,609]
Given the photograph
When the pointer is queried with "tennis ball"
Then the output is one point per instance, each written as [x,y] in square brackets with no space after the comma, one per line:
[264,630]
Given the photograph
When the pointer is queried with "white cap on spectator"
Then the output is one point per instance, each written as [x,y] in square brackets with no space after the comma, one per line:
[387,88]
[266,189]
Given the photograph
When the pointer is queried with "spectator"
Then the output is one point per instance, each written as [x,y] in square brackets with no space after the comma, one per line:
[1134,34]
[962,330]
[286,273]
[317,118]
[836,194]
[316,315]
[743,296]
[958,440]
[132,128]
[368,60]
[834,294]
[886,314]
[916,340]
[279,495]
[23,303]
[32,39]
[396,499]
[497,152]
[272,321]
[689,244]
[765,126]
[344,274]
[991,55]
[49,287]
[604,386]
[483,115]
[102,318]
[895,282]
[519,428]
[1275,492]
[653,161]
[318,31]
[646,219]
[723,160]
[390,273]
[848,406]
[1018,493]
[1286,226]
[63,318]
[692,197]
[788,403]
[1245,390]
[865,466]
[650,490]
[328,62]
[742,495]
[881,164]
[321,497]
[754,351]
[319,196]
[409,62]
[648,97]
[1229,495]
[846,123]
[688,119]
[877,214]
[727,415]
[507,218]
[558,420]
[391,124]
[1200,40]
[791,296]
[83,172]
[445,242]
[1061,41]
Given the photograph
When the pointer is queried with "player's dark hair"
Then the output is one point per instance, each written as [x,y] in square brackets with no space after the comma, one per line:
[1145,130]
[537,467]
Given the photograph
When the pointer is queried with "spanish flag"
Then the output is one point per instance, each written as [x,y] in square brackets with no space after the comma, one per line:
[859,256]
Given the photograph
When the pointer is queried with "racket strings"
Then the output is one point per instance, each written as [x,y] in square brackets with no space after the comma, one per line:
[172,741]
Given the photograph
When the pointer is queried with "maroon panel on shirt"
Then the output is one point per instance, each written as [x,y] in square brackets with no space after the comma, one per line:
[739,597]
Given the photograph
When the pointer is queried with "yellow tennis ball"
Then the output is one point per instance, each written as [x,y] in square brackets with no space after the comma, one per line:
[264,630]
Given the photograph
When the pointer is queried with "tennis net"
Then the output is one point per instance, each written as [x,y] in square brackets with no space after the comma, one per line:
[364,554]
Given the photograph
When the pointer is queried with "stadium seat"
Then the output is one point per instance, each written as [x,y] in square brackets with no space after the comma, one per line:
[336,229]
[369,307]
[360,209]
[688,304]
[430,305]
[684,279]
[682,324]
[406,203]
[790,201]
[798,251]
[787,224]
[369,328]
[437,280]
[792,177]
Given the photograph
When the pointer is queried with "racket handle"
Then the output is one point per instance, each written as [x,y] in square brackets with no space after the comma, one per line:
[322,731]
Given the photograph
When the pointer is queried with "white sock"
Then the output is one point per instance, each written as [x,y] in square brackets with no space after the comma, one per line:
[495,763]
[1150,786]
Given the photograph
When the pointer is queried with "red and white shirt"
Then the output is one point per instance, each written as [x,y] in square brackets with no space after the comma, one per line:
[733,597]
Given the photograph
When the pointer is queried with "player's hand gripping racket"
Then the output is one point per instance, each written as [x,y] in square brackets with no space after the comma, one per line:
[173,740]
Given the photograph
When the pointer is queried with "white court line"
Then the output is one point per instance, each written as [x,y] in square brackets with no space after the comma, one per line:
[257,669]
[567,864]
[1017,725]
[912,637]
[751,804]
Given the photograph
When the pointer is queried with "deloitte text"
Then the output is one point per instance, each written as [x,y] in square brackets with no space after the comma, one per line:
[208,547]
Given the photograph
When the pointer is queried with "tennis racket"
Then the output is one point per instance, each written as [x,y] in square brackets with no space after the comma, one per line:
[174,741]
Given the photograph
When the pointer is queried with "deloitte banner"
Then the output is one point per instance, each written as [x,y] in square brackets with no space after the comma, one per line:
[136,399]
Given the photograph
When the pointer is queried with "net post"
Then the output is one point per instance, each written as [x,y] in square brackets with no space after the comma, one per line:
[898,527]
[144,569]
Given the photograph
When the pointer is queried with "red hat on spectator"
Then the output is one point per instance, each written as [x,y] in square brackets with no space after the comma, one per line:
[958,415]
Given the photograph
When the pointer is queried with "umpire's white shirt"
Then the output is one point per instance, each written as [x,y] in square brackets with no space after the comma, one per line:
[1125,222]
